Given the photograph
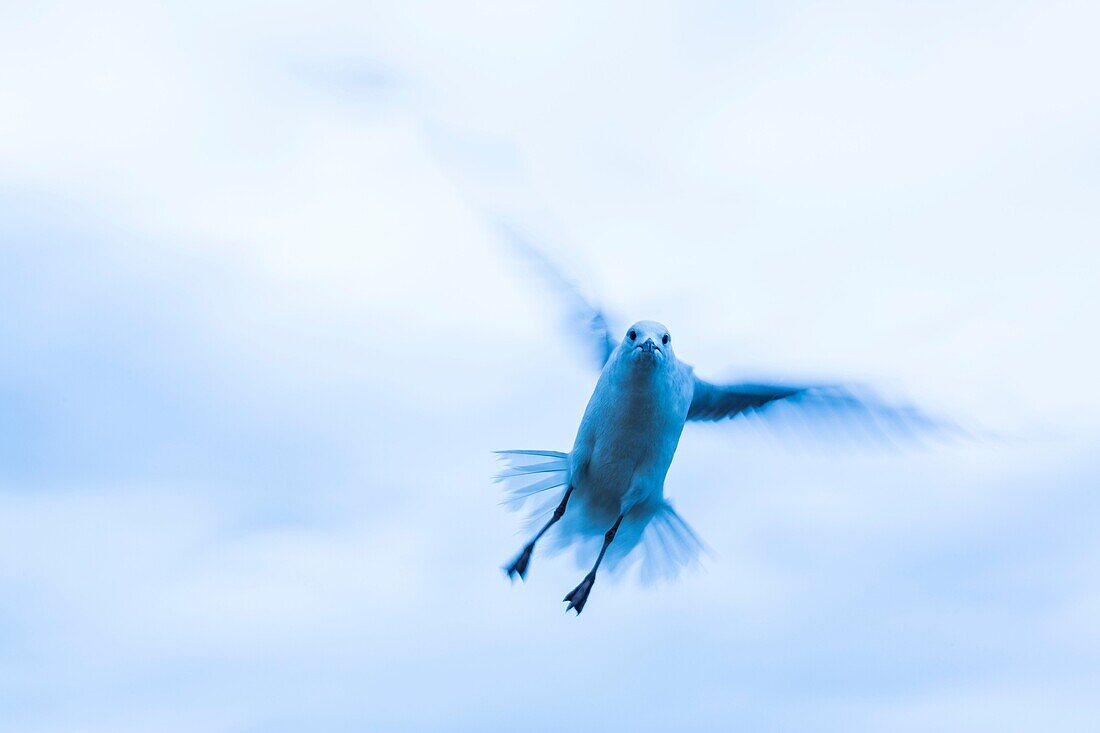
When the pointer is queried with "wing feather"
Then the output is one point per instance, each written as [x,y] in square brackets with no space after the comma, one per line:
[718,402]
[585,316]
[816,405]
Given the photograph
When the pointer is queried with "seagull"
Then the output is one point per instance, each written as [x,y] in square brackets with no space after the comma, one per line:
[612,481]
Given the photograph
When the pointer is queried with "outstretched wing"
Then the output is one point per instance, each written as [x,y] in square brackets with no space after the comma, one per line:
[717,402]
[587,317]
[816,403]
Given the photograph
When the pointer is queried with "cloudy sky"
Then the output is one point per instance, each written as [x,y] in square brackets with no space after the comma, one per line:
[259,336]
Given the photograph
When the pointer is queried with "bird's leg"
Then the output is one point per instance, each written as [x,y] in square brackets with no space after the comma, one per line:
[519,565]
[579,595]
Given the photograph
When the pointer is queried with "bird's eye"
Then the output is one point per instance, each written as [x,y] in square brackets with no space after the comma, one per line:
[633,334]
[665,339]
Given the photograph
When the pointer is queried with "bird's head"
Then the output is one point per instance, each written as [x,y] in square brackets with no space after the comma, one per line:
[647,343]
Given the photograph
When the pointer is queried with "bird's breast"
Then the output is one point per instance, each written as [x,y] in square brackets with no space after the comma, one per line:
[634,424]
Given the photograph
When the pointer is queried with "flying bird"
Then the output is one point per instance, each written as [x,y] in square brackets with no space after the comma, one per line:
[610,486]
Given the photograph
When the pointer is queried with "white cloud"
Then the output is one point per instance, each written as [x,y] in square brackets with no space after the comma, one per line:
[258,340]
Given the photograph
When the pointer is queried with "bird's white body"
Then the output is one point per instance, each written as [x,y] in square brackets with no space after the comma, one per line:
[617,466]
[630,430]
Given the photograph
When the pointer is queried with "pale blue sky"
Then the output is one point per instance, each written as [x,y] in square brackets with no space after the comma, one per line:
[258,339]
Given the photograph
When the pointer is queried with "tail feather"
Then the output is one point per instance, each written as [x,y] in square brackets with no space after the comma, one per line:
[657,541]
[531,472]
[653,536]
[668,546]
[544,453]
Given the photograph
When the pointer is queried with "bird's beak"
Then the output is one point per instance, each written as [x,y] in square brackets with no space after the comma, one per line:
[649,346]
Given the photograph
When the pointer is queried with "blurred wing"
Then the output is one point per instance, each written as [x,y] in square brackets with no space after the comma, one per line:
[829,409]
[587,317]
[717,402]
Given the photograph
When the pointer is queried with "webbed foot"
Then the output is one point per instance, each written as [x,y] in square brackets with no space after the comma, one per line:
[579,595]
[519,565]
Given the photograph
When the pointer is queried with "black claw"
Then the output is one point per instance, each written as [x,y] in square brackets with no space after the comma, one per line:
[519,566]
